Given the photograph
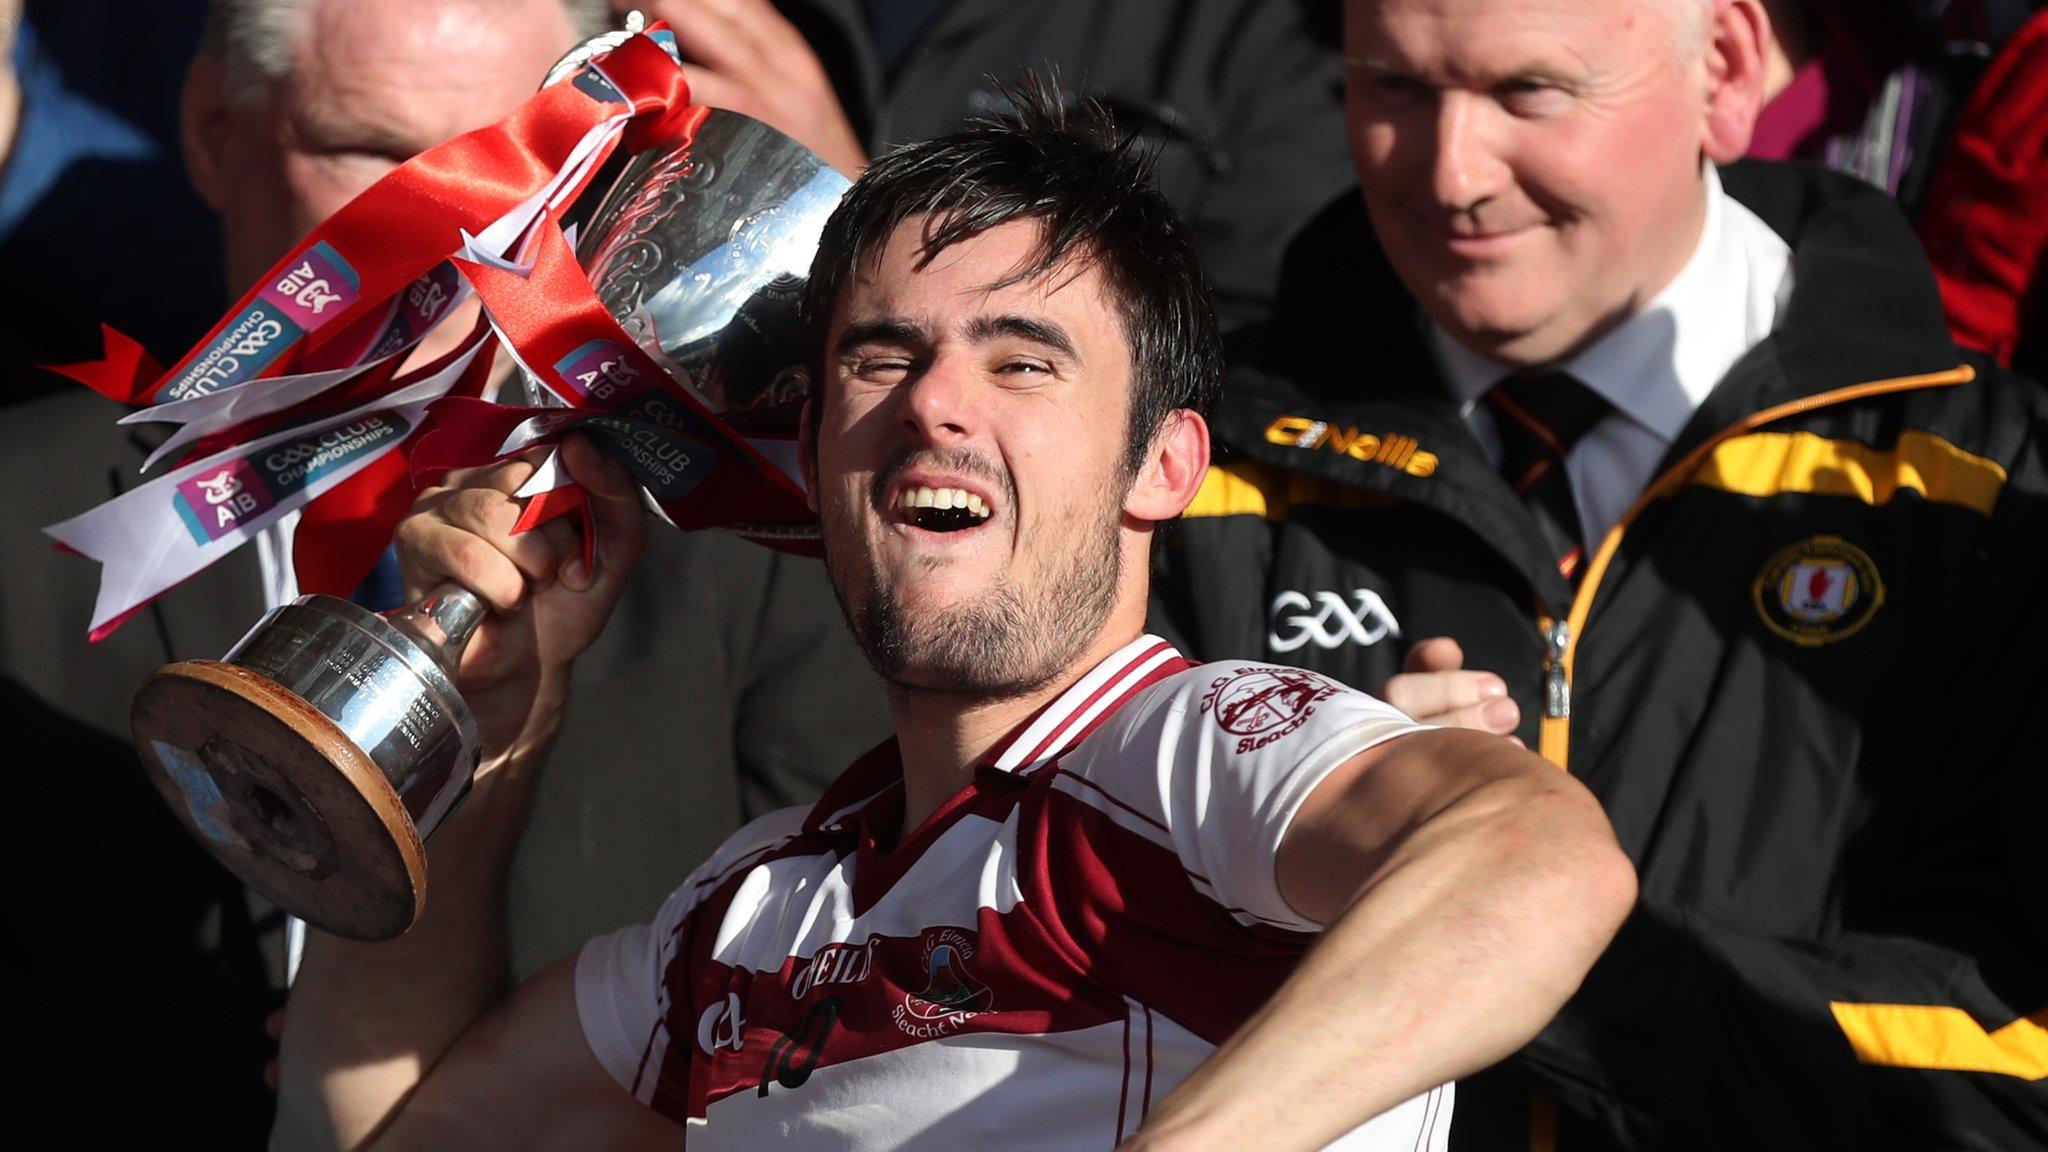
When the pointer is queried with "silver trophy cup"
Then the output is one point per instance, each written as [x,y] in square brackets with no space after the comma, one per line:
[315,759]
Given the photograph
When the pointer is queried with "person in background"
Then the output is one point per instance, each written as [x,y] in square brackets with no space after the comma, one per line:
[96,220]
[1668,466]
[1238,99]
[1986,219]
[1899,94]
[1874,87]
[292,107]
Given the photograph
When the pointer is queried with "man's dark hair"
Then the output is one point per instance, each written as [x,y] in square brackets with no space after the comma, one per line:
[1091,192]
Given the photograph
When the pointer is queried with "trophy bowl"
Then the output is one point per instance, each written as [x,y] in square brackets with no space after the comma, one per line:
[317,757]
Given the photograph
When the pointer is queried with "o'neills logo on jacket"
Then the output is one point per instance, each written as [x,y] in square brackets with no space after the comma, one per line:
[1393,449]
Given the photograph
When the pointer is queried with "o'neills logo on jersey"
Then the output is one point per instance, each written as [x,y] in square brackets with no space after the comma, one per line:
[1818,591]
[951,997]
[1263,705]
[834,964]
[315,288]
[1394,450]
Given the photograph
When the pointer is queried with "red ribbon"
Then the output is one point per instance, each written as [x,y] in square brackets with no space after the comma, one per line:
[385,240]
[551,314]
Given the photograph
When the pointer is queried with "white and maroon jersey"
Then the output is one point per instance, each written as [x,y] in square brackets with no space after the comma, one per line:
[1034,967]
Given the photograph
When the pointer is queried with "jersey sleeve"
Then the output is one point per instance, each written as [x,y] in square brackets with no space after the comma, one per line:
[621,978]
[1215,762]
[618,991]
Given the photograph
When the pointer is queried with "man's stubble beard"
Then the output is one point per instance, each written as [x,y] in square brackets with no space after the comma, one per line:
[1003,644]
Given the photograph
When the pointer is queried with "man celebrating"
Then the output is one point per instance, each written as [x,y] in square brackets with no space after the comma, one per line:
[1091,894]
[1685,461]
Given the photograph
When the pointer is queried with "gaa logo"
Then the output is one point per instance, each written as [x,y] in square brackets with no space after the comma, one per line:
[1818,591]
[722,1026]
[1329,621]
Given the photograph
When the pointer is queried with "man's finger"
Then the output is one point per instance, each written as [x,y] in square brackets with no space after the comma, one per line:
[1425,695]
[1436,654]
[616,513]
[713,38]
[1500,717]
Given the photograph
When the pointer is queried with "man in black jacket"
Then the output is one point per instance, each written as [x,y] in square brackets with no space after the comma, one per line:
[1686,459]
[1238,98]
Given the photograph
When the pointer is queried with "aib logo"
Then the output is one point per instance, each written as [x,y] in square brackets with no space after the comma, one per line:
[315,287]
[600,371]
[213,504]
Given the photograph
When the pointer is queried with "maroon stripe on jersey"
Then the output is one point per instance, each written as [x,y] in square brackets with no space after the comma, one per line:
[1066,735]
[902,992]
[1129,908]
[1145,1106]
[1124,1098]
[1106,914]
[1106,794]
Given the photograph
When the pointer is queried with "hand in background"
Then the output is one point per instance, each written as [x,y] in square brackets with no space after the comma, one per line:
[743,56]
[1435,687]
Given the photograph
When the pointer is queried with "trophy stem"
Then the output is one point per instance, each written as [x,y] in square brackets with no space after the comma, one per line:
[442,623]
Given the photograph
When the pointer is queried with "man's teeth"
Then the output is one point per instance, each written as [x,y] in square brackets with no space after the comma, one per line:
[942,498]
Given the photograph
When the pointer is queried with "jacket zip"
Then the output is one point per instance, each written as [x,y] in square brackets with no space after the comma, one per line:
[1561,637]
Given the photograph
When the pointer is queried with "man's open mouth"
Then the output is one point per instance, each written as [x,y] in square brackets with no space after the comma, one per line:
[941,509]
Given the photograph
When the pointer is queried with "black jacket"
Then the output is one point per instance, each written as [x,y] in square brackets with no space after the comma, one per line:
[1241,99]
[1800,675]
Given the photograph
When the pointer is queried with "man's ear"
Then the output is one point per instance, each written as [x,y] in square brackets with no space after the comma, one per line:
[807,454]
[205,119]
[1173,469]
[1738,45]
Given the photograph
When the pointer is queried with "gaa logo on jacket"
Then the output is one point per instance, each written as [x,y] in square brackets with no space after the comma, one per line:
[1818,591]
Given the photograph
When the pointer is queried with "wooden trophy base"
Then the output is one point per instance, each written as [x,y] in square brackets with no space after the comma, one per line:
[281,797]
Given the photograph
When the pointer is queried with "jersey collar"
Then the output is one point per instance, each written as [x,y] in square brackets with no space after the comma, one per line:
[1039,739]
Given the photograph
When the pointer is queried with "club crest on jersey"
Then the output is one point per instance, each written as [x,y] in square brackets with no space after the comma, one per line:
[1261,705]
[1818,591]
[952,995]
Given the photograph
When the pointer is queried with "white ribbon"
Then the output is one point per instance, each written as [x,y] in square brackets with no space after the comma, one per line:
[148,539]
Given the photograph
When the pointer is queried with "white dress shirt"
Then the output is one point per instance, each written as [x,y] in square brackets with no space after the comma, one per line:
[1657,366]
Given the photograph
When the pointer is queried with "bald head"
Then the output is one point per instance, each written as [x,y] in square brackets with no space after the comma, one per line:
[257,43]
[1533,167]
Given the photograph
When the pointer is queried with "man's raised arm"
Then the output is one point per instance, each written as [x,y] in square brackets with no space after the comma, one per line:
[1466,885]
[366,1023]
